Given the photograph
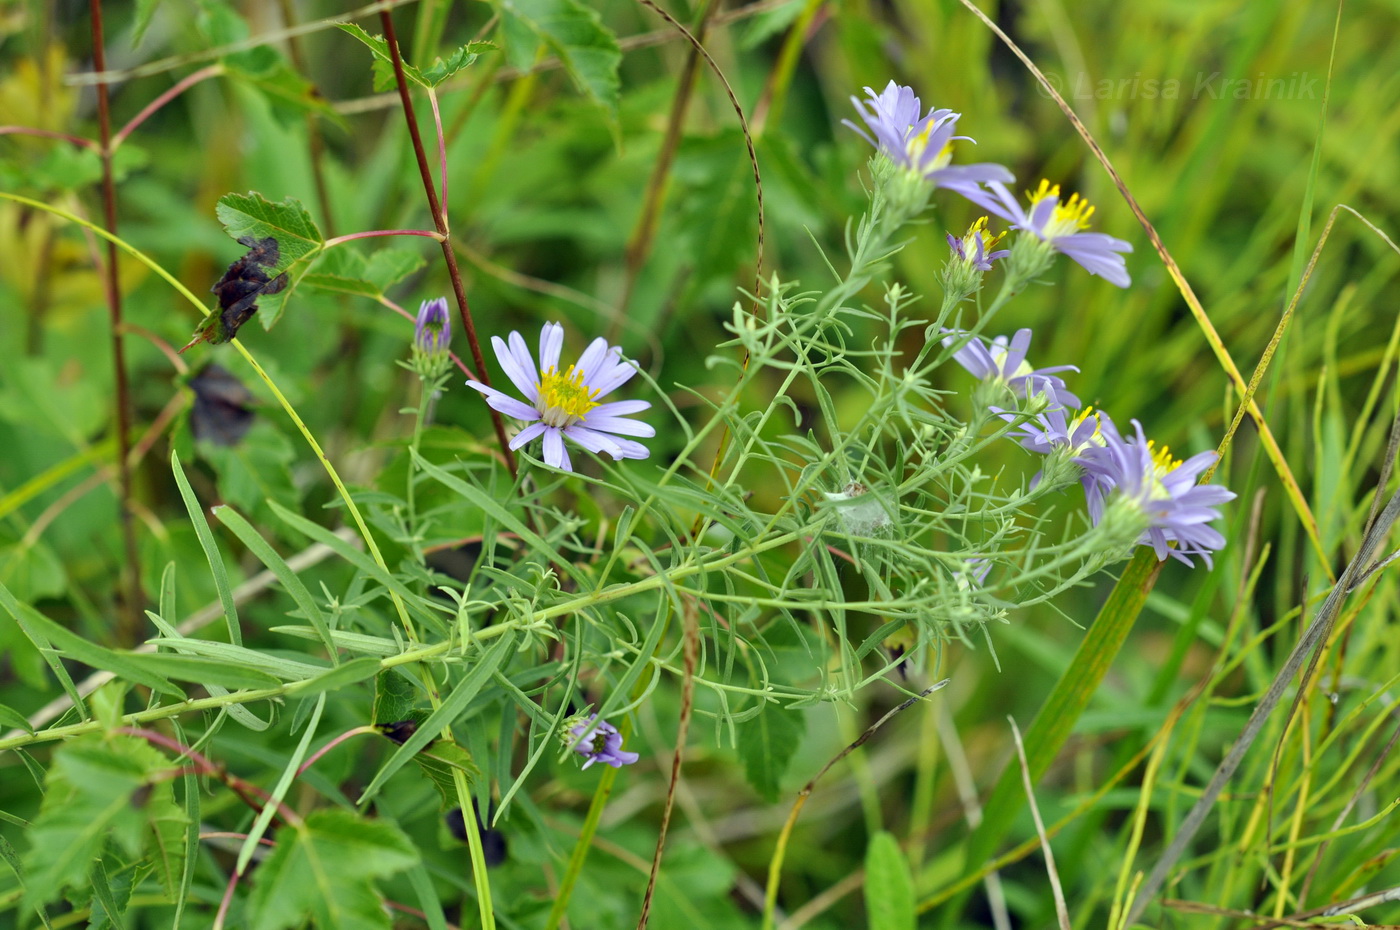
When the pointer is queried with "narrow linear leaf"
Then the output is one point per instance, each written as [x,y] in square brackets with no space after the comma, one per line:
[352,672]
[279,791]
[450,709]
[290,582]
[211,550]
[122,664]
[18,611]
[1071,695]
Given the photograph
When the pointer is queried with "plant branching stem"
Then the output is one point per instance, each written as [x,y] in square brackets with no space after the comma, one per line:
[439,219]
[133,600]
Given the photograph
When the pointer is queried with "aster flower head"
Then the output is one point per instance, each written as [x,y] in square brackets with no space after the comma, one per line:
[564,404]
[921,144]
[432,330]
[978,248]
[1060,226]
[1053,434]
[1004,361]
[598,741]
[1138,477]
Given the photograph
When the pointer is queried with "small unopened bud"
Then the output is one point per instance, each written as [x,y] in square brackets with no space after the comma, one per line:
[433,329]
[431,333]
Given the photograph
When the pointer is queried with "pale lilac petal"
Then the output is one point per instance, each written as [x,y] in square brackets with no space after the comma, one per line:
[592,356]
[505,403]
[999,201]
[527,434]
[619,425]
[620,408]
[627,449]
[554,453]
[522,377]
[591,440]
[551,342]
[614,378]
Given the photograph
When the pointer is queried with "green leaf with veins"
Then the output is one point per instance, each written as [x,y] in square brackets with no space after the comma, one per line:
[323,869]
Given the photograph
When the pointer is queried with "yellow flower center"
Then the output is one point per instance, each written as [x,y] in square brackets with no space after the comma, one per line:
[1162,459]
[563,397]
[1162,463]
[1096,437]
[979,231]
[1069,217]
[915,148]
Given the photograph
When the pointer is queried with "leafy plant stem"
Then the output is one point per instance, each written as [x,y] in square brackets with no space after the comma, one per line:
[350,237]
[438,210]
[184,84]
[133,600]
[478,855]
[415,541]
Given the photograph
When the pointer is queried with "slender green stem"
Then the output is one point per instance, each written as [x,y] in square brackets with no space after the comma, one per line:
[415,541]
[585,842]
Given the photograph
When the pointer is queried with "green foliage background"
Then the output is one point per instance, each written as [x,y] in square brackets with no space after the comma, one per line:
[553,133]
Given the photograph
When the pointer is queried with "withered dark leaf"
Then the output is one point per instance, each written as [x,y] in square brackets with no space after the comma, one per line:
[239,289]
[222,411]
[493,841]
[399,731]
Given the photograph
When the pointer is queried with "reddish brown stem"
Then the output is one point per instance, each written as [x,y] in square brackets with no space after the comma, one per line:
[150,109]
[439,218]
[250,793]
[134,599]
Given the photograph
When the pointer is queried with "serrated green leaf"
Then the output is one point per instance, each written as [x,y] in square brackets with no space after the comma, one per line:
[443,68]
[99,788]
[323,869]
[383,60]
[344,271]
[438,760]
[767,742]
[287,221]
[433,75]
[298,240]
[575,33]
[889,885]
[395,697]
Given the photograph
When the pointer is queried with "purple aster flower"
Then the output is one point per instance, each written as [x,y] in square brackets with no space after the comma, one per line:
[1059,225]
[922,144]
[432,331]
[1177,509]
[1051,431]
[1005,360]
[599,741]
[976,248]
[559,404]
